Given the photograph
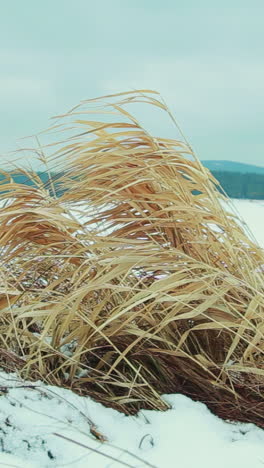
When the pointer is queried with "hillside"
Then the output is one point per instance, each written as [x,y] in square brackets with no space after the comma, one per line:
[232,166]
[239,180]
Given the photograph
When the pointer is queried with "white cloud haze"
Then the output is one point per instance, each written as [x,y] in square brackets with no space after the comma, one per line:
[206,59]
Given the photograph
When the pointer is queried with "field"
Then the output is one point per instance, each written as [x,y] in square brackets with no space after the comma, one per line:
[252,214]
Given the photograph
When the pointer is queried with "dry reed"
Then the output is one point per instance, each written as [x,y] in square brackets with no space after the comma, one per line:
[139,279]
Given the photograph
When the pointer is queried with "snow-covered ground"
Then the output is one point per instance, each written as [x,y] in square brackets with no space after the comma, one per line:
[43,426]
[252,212]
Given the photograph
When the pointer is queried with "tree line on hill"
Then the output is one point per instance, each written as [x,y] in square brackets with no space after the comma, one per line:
[235,184]
[238,185]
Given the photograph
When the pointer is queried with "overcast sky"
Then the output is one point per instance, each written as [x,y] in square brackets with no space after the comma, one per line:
[205,57]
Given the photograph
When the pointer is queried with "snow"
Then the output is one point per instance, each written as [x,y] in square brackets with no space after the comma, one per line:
[49,427]
[45,426]
[252,212]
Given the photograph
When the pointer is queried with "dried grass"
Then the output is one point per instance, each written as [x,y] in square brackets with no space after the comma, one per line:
[157,290]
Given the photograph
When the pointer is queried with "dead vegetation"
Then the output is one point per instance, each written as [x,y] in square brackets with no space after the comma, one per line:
[138,280]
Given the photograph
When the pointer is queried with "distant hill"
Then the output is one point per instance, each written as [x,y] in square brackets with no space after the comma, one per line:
[238,180]
[232,166]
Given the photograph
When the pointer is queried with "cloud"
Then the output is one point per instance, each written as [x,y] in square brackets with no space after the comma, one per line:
[206,60]
[219,91]
[25,89]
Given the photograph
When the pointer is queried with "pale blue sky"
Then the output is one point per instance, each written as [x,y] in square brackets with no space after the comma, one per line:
[204,56]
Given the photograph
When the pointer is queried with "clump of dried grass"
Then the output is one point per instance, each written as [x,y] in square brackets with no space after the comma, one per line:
[156,290]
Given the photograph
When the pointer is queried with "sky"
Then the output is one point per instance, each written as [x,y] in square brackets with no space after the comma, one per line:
[205,57]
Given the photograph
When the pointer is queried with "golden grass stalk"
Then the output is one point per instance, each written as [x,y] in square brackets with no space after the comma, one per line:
[139,279]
